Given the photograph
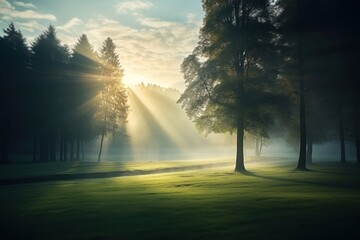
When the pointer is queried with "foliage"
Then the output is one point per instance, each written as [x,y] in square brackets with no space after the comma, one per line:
[52,98]
[230,83]
[113,109]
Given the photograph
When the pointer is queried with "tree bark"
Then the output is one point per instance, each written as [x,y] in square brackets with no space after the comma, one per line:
[240,167]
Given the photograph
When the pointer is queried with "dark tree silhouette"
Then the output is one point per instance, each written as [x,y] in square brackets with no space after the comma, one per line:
[321,50]
[49,62]
[81,98]
[14,64]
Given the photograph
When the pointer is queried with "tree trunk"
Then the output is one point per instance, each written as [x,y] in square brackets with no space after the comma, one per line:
[65,145]
[256,146]
[82,150]
[261,146]
[309,151]
[61,157]
[78,148]
[240,167]
[302,155]
[71,145]
[342,136]
[101,144]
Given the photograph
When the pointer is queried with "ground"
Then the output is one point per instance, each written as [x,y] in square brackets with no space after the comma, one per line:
[271,201]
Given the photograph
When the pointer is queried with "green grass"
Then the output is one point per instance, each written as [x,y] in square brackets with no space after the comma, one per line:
[271,202]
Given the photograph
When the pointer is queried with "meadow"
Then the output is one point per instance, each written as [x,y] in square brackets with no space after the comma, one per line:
[210,201]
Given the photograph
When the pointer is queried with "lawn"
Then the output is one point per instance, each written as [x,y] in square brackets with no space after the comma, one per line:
[270,202]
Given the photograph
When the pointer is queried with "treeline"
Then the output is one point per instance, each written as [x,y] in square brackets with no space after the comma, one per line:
[283,64]
[53,99]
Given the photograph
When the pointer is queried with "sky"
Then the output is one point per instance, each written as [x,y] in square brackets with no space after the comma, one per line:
[152,36]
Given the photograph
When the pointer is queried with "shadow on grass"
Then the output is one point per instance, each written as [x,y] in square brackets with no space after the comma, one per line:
[111,174]
[330,181]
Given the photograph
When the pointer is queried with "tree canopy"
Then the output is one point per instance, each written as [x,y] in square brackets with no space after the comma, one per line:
[230,85]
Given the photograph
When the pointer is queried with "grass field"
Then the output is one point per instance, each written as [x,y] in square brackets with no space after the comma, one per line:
[270,202]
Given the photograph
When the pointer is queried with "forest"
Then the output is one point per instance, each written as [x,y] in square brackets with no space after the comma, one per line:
[82,151]
[54,100]
[291,72]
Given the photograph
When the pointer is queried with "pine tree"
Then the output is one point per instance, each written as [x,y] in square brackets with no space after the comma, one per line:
[14,65]
[113,109]
[49,63]
[82,90]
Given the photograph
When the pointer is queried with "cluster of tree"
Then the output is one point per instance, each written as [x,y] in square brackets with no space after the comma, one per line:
[262,62]
[52,100]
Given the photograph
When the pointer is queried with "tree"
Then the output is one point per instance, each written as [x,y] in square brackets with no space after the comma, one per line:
[14,65]
[230,83]
[113,109]
[82,90]
[300,45]
[49,62]
[322,42]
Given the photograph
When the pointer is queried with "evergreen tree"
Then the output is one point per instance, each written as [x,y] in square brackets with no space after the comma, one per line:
[49,62]
[113,109]
[82,89]
[14,64]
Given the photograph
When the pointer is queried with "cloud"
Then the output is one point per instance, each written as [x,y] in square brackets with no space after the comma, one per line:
[31,26]
[152,53]
[9,12]
[155,23]
[30,14]
[125,6]
[70,24]
[5,4]
[25,5]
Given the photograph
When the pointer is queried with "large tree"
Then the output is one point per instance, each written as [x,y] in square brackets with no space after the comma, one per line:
[14,64]
[113,108]
[230,83]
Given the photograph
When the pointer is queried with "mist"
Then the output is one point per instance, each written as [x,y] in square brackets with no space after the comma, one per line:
[159,129]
